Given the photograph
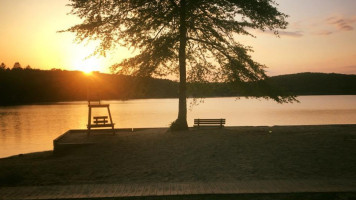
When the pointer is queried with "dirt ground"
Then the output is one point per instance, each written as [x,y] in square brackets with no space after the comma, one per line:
[210,154]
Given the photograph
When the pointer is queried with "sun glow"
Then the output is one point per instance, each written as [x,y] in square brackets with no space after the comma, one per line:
[88,65]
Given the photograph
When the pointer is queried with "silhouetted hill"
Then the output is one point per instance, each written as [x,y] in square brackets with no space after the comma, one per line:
[296,84]
[316,83]
[27,86]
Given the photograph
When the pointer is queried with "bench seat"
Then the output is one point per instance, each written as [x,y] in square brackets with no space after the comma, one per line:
[100,121]
[209,122]
[100,125]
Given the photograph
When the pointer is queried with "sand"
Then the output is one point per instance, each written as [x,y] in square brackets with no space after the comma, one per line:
[215,155]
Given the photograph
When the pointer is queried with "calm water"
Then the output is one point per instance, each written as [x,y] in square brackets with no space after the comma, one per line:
[32,128]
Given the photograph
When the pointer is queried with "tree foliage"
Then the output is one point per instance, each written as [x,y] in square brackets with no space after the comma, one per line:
[152,27]
[196,38]
[17,65]
[2,66]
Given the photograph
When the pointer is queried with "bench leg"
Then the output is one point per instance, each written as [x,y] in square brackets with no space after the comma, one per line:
[89,120]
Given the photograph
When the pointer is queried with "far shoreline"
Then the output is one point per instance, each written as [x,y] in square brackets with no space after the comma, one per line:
[68,102]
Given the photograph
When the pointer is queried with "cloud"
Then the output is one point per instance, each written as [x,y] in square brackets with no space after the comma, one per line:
[291,33]
[295,34]
[333,25]
[324,32]
[318,26]
[341,23]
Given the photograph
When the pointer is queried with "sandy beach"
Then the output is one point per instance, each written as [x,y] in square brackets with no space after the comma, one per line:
[204,155]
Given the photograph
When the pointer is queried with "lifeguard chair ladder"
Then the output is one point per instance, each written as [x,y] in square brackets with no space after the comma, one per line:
[99,121]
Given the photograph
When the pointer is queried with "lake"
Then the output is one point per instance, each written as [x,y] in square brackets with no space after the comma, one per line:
[32,128]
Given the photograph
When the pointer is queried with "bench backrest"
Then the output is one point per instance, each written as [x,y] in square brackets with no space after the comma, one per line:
[209,121]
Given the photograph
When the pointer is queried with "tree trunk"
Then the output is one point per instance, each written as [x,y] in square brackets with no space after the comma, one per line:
[181,122]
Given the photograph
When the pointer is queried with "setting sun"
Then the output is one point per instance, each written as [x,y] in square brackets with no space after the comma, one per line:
[87,65]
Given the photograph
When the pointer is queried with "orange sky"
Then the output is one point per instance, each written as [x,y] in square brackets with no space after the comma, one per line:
[321,37]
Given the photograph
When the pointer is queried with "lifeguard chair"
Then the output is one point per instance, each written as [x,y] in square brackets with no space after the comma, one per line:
[93,93]
[99,121]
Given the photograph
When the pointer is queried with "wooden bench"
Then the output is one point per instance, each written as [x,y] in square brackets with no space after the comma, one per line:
[101,121]
[209,122]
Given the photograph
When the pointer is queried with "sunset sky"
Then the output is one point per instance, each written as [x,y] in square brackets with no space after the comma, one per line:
[321,37]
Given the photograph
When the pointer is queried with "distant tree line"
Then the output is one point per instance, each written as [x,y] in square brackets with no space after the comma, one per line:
[17,66]
[27,86]
[295,84]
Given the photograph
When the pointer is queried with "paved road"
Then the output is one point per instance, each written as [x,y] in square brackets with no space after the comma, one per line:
[176,189]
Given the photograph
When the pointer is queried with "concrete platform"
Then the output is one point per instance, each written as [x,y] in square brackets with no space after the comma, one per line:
[77,138]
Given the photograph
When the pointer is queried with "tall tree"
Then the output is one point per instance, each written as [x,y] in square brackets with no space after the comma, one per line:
[2,66]
[195,38]
[17,66]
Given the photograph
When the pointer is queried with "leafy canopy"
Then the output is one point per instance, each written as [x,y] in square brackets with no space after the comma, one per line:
[152,28]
